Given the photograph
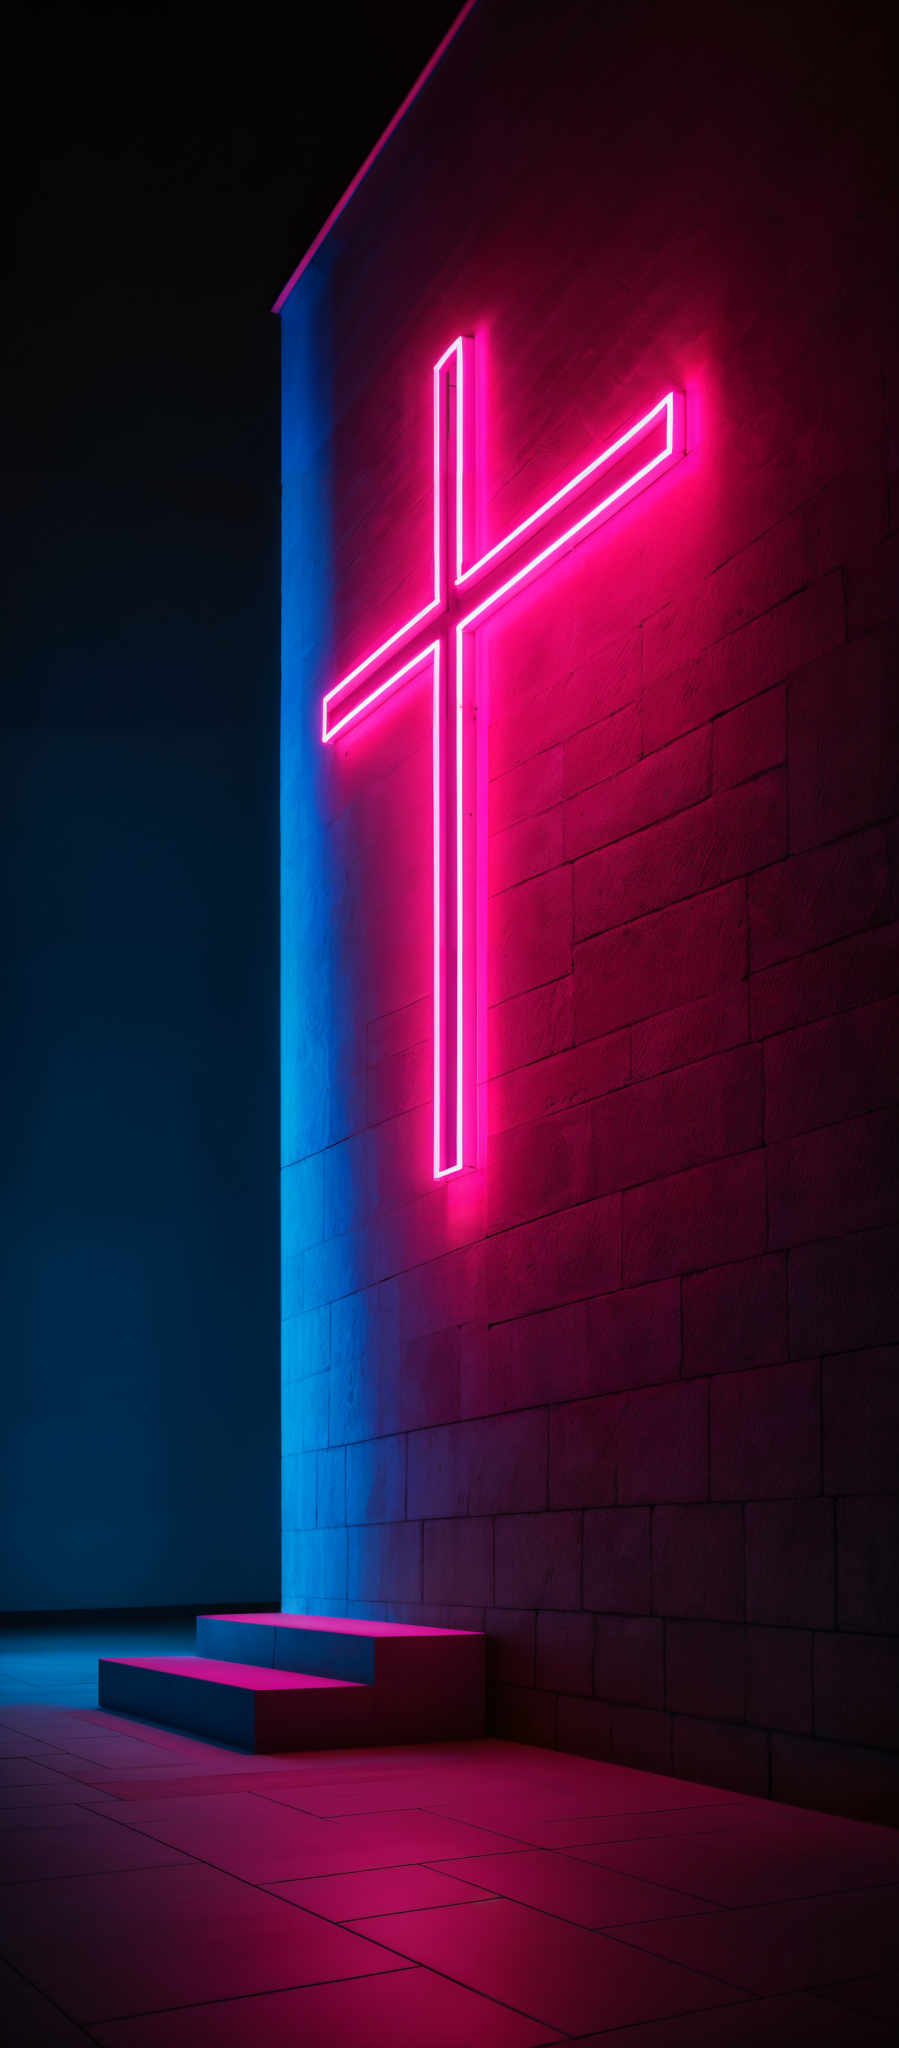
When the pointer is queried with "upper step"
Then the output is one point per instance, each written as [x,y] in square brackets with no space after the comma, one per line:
[256,1708]
[387,1653]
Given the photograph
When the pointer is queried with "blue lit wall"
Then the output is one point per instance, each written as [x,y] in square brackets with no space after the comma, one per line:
[310,1094]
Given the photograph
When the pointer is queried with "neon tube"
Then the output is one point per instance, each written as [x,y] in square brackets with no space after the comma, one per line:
[453,619]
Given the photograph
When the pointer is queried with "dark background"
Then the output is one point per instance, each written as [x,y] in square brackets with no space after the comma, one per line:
[166,172]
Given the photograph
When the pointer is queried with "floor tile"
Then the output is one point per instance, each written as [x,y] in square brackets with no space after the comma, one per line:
[572,1800]
[145,1940]
[367,1796]
[750,1867]
[627,1827]
[83,1845]
[783,1947]
[113,1752]
[375,1841]
[247,1837]
[404,1888]
[555,1883]
[51,1791]
[191,1785]
[878,1995]
[796,2021]
[27,2020]
[408,2009]
[13,1745]
[48,1815]
[258,1839]
[571,1979]
[25,1770]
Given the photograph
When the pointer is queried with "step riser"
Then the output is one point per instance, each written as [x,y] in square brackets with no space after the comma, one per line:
[426,1667]
[321,1655]
[266,1722]
[258,1722]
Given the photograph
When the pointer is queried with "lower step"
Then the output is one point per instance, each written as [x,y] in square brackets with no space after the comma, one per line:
[247,1706]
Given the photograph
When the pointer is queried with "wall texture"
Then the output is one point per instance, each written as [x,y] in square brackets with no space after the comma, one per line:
[625,1396]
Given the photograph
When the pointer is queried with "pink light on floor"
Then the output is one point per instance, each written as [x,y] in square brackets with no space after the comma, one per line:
[442,634]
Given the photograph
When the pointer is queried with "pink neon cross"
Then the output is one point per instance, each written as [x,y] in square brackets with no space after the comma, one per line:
[442,636]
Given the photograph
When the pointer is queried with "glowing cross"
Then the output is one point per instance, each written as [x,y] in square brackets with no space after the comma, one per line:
[441,637]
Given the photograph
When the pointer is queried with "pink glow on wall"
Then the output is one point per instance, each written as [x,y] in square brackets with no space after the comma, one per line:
[442,636]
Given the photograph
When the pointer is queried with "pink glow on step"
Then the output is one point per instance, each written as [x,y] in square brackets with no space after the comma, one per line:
[621,470]
[248,1677]
[332,1626]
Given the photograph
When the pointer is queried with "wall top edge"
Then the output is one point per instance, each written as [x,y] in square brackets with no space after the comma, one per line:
[372,156]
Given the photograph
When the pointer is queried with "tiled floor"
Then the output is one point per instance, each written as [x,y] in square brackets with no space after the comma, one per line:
[161,1892]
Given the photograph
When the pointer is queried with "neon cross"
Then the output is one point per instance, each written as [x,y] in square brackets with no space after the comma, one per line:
[441,637]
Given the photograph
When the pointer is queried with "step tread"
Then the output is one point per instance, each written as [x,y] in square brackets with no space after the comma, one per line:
[247,1677]
[327,1624]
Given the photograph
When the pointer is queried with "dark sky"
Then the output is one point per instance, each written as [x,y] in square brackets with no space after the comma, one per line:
[170,166]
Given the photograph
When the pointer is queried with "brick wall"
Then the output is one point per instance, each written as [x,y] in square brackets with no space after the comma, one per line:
[625,1397]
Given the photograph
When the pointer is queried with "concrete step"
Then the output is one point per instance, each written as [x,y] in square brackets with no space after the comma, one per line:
[252,1708]
[301,1681]
[397,1653]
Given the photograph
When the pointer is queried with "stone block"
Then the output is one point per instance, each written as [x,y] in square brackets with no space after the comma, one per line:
[458,1562]
[531,935]
[860,1421]
[836,1777]
[844,1293]
[867,1554]
[492,1464]
[641,795]
[856,1682]
[617,1573]
[697,1562]
[602,750]
[790,1563]
[538,1560]
[575,1075]
[707,1111]
[693,1031]
[376,1480]
[729,834]
[747,741]
[836,1068]
[565,1653]
[666,959]
[708,1216]
[384,1562]
[644,1446]
[753,658]
[844,740]
[629,1661]
[816,897]
[735,1316]
[765,1432]
[538,1265]
[536,1168]
[520,1715]
[531,1026]
[641,1738]
[835,978]
[584,1727]
[716,1753]
[705,1669]
[511,1645]
[779,1678]
[834,1181]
